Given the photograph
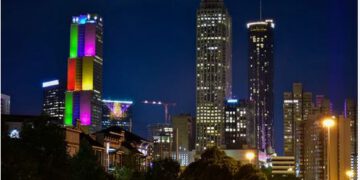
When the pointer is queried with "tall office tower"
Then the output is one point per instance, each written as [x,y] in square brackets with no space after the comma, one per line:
[5,104]
[53,99]
[297,108]
[84,83]
[117,113]
[213,72]
[351,115]
[239,124]
[260,79]
[315,139]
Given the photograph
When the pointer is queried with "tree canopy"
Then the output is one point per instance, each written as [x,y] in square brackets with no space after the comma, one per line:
[214,165]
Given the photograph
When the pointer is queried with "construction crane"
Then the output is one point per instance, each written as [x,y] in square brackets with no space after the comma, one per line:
[165,105]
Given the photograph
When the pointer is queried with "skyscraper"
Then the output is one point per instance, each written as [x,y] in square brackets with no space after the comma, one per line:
[53,99]
[5,104]
[239,124]
[213,71]
[297,108]
[351,115]
[260,79]
[315,140]
[84,81]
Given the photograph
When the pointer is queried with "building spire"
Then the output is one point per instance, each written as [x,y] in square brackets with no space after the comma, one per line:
[260,9]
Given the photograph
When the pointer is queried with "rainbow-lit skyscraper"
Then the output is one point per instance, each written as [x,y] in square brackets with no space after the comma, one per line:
[84,77]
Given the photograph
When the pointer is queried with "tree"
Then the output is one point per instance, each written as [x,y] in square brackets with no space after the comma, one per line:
[249,172]
[123,173]
[84,165]
[40,153]
[282,177]
[213,165]
[165,169]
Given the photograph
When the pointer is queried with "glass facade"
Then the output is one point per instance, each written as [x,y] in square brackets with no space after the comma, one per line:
[261,76]
[213,72]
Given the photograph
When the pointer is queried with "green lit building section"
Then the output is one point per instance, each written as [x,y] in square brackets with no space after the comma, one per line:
[68,108]
[74,40]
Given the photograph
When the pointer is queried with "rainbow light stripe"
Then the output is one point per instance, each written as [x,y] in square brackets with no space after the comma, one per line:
[80,75]
[87,73]
[90,38]
[85,108]
[71,74]
[68,108]
[74,31]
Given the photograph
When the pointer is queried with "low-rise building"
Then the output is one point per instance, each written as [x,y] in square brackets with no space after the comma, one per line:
[283,166]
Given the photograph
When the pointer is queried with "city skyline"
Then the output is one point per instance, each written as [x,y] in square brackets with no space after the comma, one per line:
[162,88]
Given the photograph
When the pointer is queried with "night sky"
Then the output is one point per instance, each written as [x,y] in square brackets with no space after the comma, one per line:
[149,50]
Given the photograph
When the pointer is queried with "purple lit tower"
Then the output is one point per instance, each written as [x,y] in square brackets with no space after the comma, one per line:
[84,77]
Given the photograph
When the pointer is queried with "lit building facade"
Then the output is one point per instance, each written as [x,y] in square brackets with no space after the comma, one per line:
[239,124]
[282,166]
[117,113]
[213,72]
[162,137]
[297,107]
[315,143]
[261,76]
[350,114]
[5,104]
[183,138]
[54,99]
[84,77]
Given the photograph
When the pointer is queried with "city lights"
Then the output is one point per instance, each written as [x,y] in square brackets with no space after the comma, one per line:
[250,156]
[329,122]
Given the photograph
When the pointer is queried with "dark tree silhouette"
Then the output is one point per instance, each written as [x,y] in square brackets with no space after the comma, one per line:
[84,165]
[165,169]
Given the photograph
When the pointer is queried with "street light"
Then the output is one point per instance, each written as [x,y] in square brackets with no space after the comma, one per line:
[328,122]
[250,156]
[349,174]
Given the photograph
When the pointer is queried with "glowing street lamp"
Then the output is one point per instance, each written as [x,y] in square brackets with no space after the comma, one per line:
[349,174]
[328,123]
[250,156]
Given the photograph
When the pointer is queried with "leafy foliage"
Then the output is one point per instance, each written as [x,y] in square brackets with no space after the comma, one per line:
[165,169]
[40,153]
[214,165]
[123,173]
[84,165]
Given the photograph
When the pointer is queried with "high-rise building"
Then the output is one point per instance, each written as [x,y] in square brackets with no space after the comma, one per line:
[182,126]
[5,104]
[344,147]
[162,136]
[213,71]
[314,144]
[84,77]
[183,138]
[351,115]
[53,99]
[297,107]
[117,113]
[260,79]
[239,124]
